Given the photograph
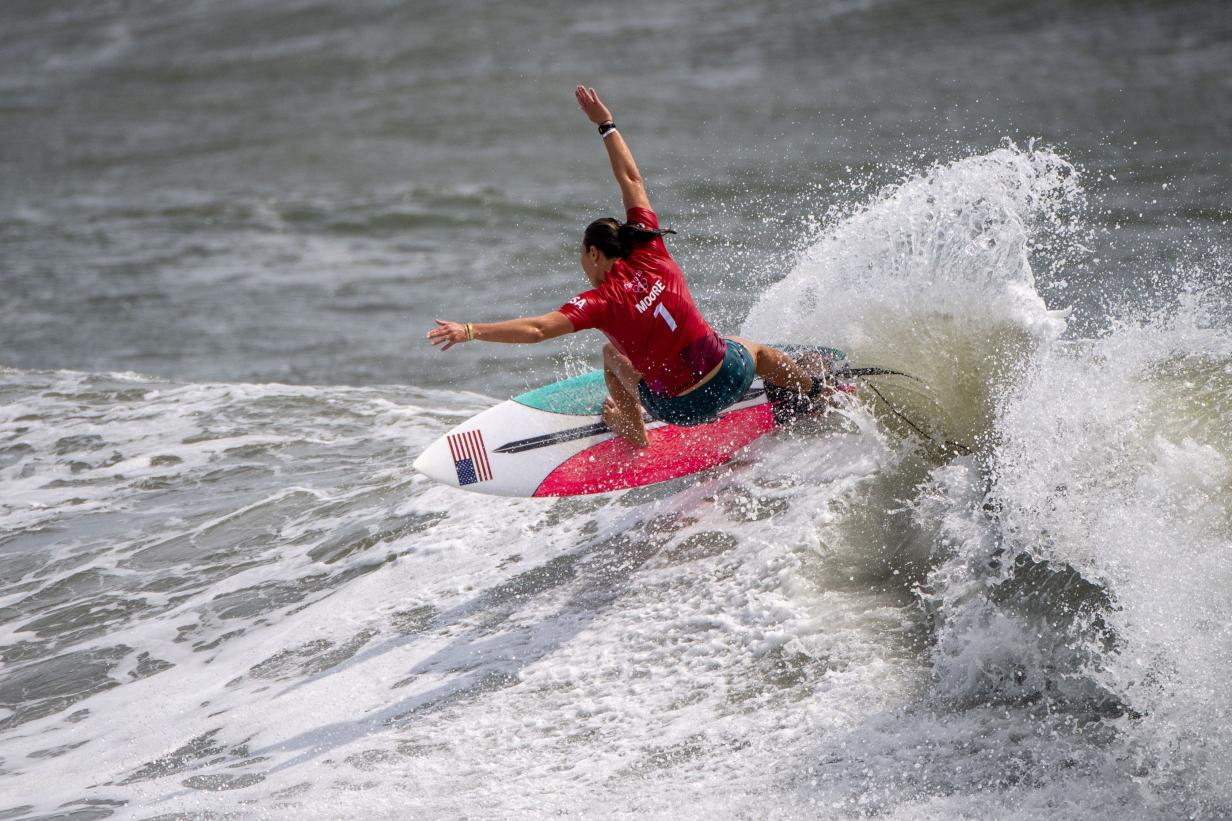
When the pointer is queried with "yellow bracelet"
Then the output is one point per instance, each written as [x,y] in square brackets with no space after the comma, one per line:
[470,332]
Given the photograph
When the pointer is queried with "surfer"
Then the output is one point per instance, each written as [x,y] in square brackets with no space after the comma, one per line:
[661,353]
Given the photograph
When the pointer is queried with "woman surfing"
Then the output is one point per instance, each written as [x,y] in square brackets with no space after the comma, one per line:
[661,353]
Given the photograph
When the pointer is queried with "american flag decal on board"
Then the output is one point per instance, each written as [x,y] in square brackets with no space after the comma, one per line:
[470,457]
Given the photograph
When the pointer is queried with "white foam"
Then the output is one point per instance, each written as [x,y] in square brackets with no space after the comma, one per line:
[1117,461]
[953,242]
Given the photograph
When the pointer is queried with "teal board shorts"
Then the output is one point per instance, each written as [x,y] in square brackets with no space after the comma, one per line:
[703,405]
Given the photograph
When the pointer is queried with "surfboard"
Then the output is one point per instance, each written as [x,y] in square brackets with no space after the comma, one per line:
[551,441]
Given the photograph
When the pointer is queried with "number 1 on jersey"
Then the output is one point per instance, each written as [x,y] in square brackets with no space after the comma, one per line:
[660,310]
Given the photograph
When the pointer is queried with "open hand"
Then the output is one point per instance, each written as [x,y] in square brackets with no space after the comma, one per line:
[592,106]
[448,333]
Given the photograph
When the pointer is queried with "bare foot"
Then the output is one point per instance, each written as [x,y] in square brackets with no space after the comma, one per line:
[632,431]
[821,395]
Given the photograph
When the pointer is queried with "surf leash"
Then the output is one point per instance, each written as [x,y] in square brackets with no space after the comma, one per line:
[948,448]
[877,372]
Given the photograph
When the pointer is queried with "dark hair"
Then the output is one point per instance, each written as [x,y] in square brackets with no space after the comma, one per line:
[617,240]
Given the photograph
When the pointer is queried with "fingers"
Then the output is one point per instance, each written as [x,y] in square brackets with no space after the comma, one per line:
[586,97]
[445,335]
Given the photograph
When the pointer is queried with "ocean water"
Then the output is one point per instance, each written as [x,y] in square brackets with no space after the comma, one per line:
[225,593]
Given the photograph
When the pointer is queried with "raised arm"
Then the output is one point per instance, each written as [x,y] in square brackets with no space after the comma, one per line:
[632,186]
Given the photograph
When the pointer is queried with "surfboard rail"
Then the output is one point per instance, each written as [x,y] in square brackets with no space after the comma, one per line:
[551,441]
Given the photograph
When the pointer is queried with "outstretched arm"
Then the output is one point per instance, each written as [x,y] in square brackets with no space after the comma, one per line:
[632,186]
[525,329]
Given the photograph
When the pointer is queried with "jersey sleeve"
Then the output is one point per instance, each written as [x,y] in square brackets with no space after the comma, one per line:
[655,248]
[645,216]
[585,310]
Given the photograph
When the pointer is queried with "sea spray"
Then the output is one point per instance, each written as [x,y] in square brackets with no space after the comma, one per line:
[1116,460]
[1081,565]
[1077,563]
[934,276]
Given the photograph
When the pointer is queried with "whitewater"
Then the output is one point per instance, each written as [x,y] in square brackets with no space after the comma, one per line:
[235,600]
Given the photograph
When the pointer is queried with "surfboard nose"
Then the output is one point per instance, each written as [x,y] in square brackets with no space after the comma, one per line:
[436,463]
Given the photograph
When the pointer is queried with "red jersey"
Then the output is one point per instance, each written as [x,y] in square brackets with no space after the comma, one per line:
[645,309]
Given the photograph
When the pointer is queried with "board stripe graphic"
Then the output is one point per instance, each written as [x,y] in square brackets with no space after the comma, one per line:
[546,439]
[470,457]
[583,431]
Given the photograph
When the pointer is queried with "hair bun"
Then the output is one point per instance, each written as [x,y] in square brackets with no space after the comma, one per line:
[616,239]
[626,235]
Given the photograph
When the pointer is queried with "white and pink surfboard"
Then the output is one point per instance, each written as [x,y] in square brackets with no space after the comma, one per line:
[552,442]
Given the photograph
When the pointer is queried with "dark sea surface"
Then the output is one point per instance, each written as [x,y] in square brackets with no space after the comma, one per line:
[226,226]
